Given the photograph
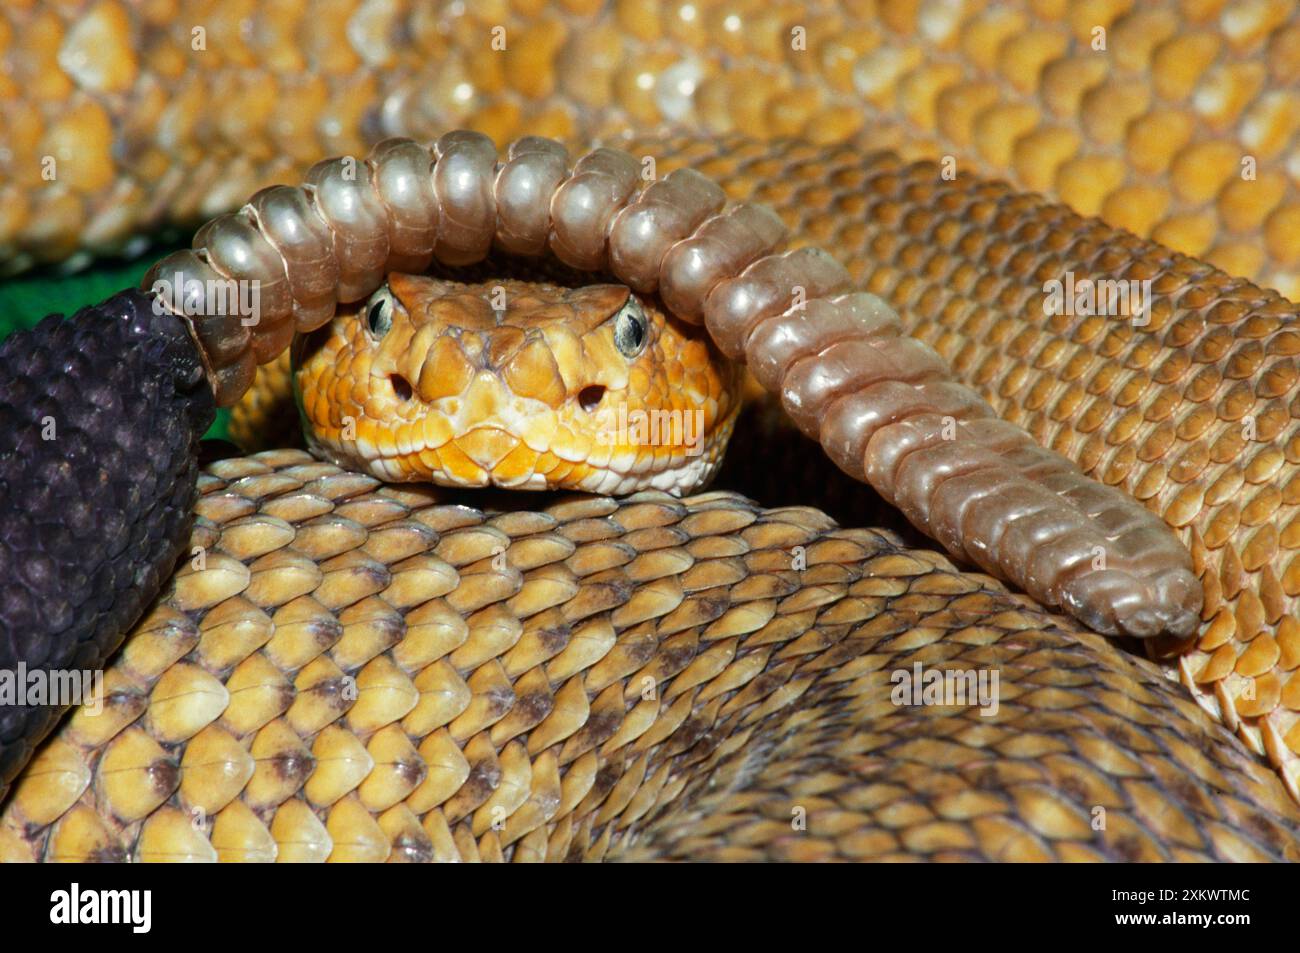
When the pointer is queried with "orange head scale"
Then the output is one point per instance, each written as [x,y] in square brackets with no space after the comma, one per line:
[517,384]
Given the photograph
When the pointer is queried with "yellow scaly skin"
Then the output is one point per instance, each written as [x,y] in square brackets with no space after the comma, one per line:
[1142,113]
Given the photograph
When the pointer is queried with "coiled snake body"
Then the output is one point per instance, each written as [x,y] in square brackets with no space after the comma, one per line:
[352,670]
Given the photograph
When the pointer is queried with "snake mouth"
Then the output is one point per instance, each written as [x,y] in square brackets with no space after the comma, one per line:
[490,456]
[486,447]
[474,458]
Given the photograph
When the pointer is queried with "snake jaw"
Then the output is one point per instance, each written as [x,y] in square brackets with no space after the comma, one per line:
[487,446]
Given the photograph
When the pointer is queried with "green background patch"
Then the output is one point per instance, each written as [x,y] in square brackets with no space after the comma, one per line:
[26,299]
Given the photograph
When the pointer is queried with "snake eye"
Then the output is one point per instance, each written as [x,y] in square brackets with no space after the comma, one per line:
[379,312]
[630,331]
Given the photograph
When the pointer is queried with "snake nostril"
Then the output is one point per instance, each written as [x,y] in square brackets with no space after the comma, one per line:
[401,386]
[591,396]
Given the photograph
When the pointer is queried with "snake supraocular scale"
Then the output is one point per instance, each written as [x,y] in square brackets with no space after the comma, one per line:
[942,255]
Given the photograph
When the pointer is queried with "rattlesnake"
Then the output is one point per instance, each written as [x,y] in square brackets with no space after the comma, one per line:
[964,263]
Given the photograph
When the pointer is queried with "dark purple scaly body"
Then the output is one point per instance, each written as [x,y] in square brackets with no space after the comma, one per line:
[100,420]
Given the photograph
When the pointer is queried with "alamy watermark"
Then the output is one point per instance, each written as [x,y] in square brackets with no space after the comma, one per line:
[60,687]
[946,687]
[133,908]
[618,426]
[192,297]
[1108,297]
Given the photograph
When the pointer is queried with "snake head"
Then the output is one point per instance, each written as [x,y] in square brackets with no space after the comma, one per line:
[516,384]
